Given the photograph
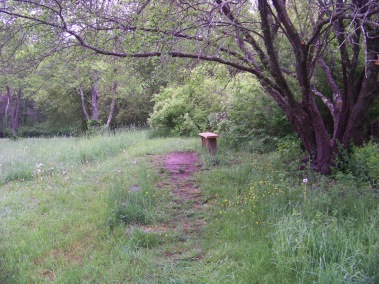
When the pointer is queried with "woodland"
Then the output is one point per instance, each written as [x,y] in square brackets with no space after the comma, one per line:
[103,178]
[247,69]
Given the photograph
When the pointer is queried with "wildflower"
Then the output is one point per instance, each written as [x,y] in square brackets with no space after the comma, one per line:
[305,188]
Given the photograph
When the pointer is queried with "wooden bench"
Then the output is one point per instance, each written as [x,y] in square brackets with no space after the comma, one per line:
[209,140]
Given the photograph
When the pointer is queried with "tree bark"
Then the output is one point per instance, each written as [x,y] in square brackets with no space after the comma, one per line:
[15,117]
[113,103]
[83,102]
[7,106]
[95,97]
[12,110]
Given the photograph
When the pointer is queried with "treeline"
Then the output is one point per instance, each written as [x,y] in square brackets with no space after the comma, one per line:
[318,60]
[71,92]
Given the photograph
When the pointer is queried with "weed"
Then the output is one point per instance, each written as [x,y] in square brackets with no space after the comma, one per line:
[141,239]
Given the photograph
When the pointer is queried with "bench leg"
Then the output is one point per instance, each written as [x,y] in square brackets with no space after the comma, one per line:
[212,146]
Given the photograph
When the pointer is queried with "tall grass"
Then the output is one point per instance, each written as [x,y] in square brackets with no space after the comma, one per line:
[55,226]
[271,227]
[99,216]
[131,200]
[25,159]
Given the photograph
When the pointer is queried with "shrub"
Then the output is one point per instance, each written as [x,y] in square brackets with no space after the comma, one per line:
[185,109]
[238,108]
[363,164]
[252,118]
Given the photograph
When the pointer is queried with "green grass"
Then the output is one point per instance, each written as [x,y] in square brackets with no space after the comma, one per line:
[273,228]
[97,212]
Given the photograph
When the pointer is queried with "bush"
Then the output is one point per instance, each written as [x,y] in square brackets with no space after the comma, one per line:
[252,119]
[185,110]
[362,164]
[239,108]
[47,130]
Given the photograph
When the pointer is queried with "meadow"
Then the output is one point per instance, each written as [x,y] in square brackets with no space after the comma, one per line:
[96,210]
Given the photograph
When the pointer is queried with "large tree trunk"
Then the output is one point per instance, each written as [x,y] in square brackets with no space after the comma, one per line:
[348,107]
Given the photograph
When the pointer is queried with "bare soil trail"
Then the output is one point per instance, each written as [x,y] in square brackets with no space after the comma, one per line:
[186,204]
[180,167]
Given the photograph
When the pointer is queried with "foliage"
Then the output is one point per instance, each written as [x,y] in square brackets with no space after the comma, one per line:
[252,120]
[361,164]
[241,110]
[185,109]
[53,93]
[284,46]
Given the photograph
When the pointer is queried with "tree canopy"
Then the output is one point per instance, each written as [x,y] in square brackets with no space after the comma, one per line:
[307,54]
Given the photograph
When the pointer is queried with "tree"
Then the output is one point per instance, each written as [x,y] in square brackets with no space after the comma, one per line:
[282,43]
[12,82]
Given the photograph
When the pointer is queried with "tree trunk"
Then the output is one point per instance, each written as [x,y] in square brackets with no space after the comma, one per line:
[95,97]
[15,117]
[113,103]
[308,124]
[7,107]
[12,111]
[84,108]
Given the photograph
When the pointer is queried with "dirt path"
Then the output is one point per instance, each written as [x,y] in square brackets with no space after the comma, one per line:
[180,167]
[185,205]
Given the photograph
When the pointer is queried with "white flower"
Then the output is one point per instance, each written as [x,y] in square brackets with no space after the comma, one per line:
[305,180]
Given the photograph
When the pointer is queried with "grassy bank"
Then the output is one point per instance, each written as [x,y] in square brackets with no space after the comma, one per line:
[80,211]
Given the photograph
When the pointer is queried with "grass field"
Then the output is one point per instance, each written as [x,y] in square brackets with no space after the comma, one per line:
[69,214]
